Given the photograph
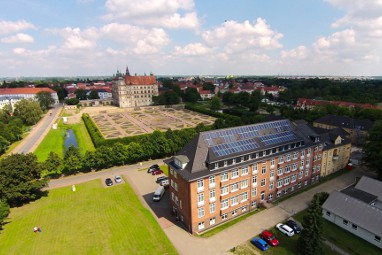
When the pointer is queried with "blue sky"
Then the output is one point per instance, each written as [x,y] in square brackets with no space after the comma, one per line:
[191,37]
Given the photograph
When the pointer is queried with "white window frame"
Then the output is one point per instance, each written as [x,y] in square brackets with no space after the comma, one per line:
[201,212]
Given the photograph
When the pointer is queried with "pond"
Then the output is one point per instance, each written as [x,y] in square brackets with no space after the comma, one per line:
[70,139]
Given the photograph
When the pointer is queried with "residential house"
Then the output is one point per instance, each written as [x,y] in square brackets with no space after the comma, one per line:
[357,129]
[358,209]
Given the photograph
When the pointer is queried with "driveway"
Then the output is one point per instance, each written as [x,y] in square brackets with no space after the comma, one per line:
[187,244]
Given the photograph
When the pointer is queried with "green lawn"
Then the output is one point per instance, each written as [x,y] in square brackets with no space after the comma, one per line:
[77,223]
[54,140]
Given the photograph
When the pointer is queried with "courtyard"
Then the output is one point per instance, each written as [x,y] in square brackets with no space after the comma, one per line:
[116,122]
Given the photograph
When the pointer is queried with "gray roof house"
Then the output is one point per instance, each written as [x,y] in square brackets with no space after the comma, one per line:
[358,209]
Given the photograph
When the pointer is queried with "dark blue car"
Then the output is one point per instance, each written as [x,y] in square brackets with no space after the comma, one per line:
[260,243]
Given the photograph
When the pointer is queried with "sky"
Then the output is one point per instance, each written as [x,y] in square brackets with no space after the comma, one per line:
[190,37]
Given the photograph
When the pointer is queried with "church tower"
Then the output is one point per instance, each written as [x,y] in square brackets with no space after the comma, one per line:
[127,71]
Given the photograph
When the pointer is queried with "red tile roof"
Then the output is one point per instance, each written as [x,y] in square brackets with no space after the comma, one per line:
[14,91]
[140,80]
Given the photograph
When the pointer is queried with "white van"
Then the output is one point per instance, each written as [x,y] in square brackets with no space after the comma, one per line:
[158,194]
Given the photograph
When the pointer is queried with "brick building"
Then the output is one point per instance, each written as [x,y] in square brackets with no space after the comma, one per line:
[222,174]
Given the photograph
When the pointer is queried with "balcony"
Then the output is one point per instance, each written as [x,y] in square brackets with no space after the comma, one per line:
[272,166]
[271,179]
[212,185]
[200,189]
[201,203]
[255,172]
[254,185]
[301,167]
[212,199]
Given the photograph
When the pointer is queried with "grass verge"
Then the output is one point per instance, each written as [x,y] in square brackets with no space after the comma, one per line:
[76,223]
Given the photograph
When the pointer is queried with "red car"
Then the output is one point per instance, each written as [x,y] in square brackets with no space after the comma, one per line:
[157,171]
[269,238]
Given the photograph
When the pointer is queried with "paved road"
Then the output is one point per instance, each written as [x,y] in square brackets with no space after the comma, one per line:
[221,243]
[38,132]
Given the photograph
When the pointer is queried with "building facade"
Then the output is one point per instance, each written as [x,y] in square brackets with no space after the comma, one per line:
[134,91]
[358,209]
[336,152]
[225,173]
[13,95]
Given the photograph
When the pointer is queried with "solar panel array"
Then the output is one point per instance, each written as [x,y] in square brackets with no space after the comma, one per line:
[246,132]
[240,139]
[278,138]
[234,147]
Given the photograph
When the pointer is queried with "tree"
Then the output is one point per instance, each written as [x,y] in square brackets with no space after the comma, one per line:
[215,104]
[310,240]
[373,148]
[52,166]
[28,110]
[20,179]
[72,101]
[72,160]
[81,94]
[45,99]
[4,211]
[93,94]
[209,86]
[191,95]
[4,143]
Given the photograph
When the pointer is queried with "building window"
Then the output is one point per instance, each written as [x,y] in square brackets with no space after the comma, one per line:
[262,196]
[212,195]
[294,177]
[212,221]
[309,150]
[288,157]
[345,222]
[244,171]
[234,187]
[263,182]
[234,201]
[263,169]
[253,203]
[294,166]
[254,180]
[328,213]
[224,177]
[224,190]
[314,158]
[212,181]
[234,212]
[319,156]
[272,162]
[234,161]
[287,169]
[281,159]
[377,238]
[212,208]
[254,168]
[244,197]
[354,226]
[243,208]
[244,183]
[270,197]
[271,184]
[224,216]
[286,180]
[307,172]
[200,199]
[254,192]
[201,225]
[280,171]
[200,212]
[272,174]
[279,183]
[305,183]
[235,173]
[200,185]
[278,194]
[295,155]
[225,162]
[224,204]
[216,165]
[302,153]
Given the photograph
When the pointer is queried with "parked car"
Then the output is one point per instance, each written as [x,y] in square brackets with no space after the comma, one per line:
[269,238]
[118,179]
[296,228]
[164,182]
[152,168]
[260,243]
[156,172]
[158,194]
[108,182]
[285,229]
[161,178]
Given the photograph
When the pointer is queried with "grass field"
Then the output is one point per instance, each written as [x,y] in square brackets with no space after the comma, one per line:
[54,140]
[76,223]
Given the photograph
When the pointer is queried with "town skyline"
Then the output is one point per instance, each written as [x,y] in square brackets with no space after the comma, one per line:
[182,38]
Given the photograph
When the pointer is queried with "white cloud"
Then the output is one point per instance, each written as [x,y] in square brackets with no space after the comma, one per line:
[240,37]
[193,49]
[18,38]
[139,40]
[8,27]
[301,52]
[157,13]
[75,39]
